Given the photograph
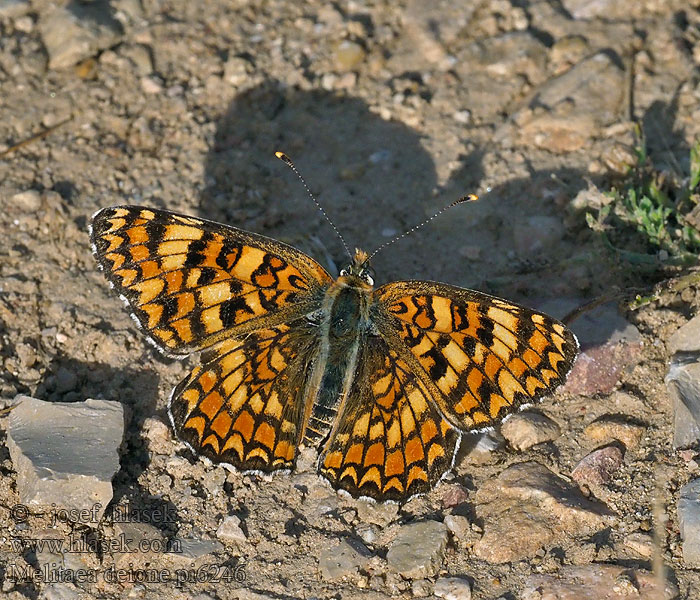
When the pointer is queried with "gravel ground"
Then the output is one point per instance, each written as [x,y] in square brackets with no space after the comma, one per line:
[390,111]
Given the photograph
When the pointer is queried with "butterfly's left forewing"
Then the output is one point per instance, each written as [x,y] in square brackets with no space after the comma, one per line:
[190,282]
[482,357]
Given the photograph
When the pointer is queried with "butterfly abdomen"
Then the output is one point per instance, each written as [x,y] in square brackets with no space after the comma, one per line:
[342,330]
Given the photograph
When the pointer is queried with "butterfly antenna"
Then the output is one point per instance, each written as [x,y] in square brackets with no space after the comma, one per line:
[288,161]
[467,198]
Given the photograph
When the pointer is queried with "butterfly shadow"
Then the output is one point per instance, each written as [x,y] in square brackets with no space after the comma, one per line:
[375,179]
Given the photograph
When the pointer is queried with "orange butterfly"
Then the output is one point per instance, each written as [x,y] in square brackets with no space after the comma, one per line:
[384,381]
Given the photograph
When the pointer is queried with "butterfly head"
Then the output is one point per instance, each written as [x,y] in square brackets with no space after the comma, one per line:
[359,269]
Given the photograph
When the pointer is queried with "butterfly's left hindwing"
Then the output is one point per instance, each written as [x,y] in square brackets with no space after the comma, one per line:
[188,281]
[244,404]
[482,357]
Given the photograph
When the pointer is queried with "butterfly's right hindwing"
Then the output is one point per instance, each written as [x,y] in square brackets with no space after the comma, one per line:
[390,442]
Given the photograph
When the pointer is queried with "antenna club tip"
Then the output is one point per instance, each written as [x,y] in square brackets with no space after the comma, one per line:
[283,157]
[467,198]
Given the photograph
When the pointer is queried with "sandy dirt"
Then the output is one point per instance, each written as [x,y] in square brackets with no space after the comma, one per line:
[390,111]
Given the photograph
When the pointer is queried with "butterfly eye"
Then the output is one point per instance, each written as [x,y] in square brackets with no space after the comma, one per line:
[368,275]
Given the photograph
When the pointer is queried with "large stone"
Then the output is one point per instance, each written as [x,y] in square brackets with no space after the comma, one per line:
[689,522]
[609,345]
[683,383]
[419,549]
[77,31]
[597,582]
[343,560]
[66,453]
[527,507]
[686,338]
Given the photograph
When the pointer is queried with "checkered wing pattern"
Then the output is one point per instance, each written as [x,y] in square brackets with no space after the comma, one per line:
[481,357]
[390,441]
[244,404]
[428,360]
[190,282]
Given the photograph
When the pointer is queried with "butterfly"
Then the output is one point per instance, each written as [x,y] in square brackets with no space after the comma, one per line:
[383,381]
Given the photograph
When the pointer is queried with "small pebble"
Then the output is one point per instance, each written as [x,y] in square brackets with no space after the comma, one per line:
[158,436]
[13,9]
[367,533]
[236,71]
[29,200]
[598,467]
[470,252]
[151,85]
[186,550]
[24,24]
[458,526]
[454,494]
[462,116]
[526,429]
[452,588]
[420,588]
[230,530]
[348,55]
[86,69]
[642,544]
[615,427]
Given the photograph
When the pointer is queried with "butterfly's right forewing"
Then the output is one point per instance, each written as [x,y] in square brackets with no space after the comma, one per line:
[390,441]
[482,357]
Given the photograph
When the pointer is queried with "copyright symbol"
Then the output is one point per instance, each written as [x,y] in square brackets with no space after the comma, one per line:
[19,513]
